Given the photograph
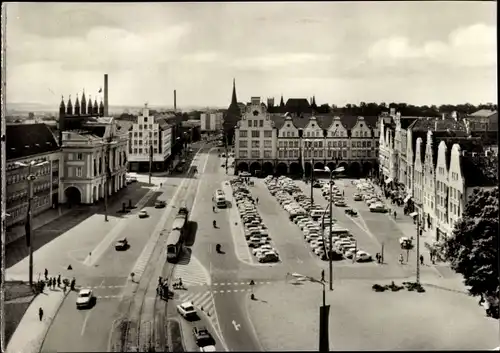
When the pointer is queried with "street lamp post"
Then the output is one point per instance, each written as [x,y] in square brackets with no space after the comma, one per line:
[107,173]
[324,313]
[417,279]
[31,177]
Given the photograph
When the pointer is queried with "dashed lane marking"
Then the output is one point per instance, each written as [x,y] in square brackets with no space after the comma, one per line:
[108,296]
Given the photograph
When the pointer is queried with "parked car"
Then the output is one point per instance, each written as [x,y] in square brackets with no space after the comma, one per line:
[160,204]
[143,214]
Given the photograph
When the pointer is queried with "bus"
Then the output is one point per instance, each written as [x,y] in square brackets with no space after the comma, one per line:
[219,199]
[174,246]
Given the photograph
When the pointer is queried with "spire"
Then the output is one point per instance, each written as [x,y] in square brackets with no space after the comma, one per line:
[95,111]
[62,107]
[282,103]
[313,103]
[77,106]
[234,101]
[83,105]
[69,107]
[101,108]
[89,107]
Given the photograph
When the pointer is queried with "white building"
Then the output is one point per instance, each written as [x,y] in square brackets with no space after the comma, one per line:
[211,121]
[255,138]
[149,139]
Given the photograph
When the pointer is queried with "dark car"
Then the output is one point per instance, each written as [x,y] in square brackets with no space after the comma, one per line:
[160,204]
[121,244]
[202,337]
[317,185]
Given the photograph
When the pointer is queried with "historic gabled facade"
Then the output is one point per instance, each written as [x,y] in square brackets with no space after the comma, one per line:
[429,169]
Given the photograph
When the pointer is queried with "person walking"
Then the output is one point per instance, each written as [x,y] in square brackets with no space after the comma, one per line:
[59,280]
[322,275]
[401,259]
[46,274]
[257,200]
[73,283]
[421,259]
[395,214]
[40,313]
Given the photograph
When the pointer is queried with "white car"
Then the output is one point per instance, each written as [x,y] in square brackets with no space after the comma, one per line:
[85,298]
[143,214]
[186,310]
[362,256]
[210,348]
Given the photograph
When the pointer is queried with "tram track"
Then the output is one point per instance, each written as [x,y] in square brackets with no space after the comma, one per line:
[142,326]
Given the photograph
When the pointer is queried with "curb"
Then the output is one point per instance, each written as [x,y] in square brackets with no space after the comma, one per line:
[52,321]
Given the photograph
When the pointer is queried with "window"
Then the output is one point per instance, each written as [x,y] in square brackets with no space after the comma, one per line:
[79,171]
[368,144]
[344,154]
[156,150]
[288,134]
[296,144]
[243,133]
[268,133]
[357,134]
[140,133]
[255,133]
[255,123]
[255,144]
[140,150]
[269,143]
[255,153]
[243,144]
[359,143]
[140,126]
[364,144]
[145,119]
[244,154]
[135,133]
[267,154]
[140,142]
[261,123]
[249,123]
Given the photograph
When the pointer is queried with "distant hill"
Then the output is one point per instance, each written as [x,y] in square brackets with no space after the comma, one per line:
[24,108]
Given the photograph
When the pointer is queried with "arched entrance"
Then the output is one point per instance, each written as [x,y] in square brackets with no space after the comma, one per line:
[355,169]
[282,169]
[307,167]
[294,169]
[242,167]
[268,168]
[255,167]
[331,166]
[73,195]
[319,165]
[367,168]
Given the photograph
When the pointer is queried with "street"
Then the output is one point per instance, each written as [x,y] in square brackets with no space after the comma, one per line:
[107,274]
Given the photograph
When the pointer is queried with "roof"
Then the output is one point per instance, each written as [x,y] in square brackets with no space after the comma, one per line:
[435,125]
[483,113]
[298,105]
[324,120]
[125,125]
[406,121]
[163,123]
[26,140]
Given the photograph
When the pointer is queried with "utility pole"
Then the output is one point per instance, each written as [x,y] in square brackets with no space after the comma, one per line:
[29,221]
[106,187]
[418,250]
[330,255]
[150,161]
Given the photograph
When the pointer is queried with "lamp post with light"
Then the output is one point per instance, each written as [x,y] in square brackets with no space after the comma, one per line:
[29,227]
[107,172]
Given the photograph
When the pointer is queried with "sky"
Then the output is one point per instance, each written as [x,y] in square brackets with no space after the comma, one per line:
[340,52]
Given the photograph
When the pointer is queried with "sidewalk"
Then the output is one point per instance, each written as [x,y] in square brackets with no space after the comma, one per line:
[31,332]
[40,220]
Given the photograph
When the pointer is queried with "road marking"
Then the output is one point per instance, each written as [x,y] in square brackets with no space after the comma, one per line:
[221,291]
[243,283]
[229,291]
[84,325]
[236,326]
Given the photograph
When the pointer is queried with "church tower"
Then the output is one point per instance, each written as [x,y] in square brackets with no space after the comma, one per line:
[95,110]
[89,107]
[101,108]
[69,107]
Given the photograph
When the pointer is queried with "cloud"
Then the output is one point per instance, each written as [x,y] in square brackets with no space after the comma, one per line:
[280,60]
[102,46]
[472,46]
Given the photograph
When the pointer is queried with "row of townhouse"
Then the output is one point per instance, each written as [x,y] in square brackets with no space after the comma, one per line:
[438,161]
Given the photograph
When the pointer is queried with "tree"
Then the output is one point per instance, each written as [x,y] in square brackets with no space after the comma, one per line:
[472,250]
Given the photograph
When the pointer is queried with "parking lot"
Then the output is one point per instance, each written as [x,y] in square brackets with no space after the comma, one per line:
[255,230]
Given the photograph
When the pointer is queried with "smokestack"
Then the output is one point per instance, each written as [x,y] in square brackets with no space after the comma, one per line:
[106,106]
[175,100]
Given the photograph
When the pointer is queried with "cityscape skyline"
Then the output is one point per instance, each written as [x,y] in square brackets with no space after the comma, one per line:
[417,53]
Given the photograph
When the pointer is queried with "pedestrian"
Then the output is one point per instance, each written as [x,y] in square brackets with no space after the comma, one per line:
[54,282]
[421,259]
[49,283]
[160,280]
[401,259]
[40,313]
[73,282]
[394,214]
[377,256]
[59,280]
[257,200]
[46,274]
[322,275]
[64,287]
[213,208]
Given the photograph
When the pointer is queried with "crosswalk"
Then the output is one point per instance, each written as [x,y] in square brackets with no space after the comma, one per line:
[204,302]
[192,272]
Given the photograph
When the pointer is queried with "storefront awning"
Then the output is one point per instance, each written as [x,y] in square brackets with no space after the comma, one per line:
[388,180]
[407,198]
[414,214]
